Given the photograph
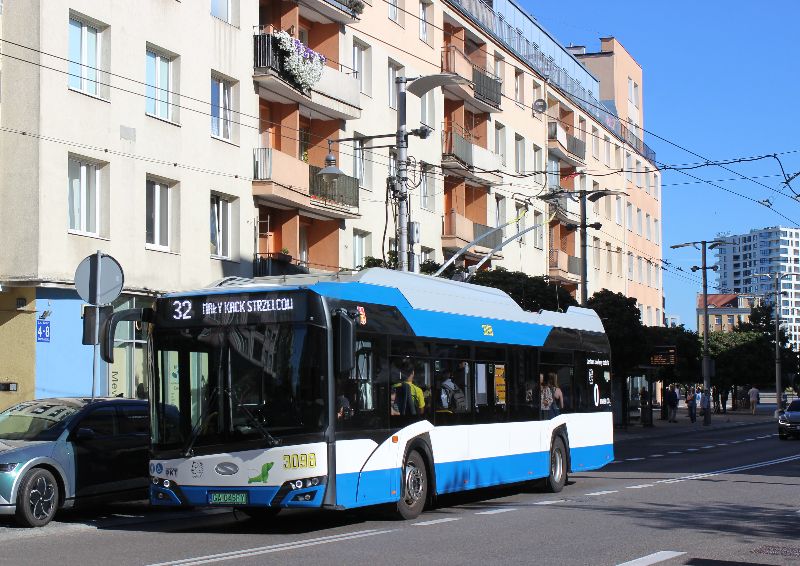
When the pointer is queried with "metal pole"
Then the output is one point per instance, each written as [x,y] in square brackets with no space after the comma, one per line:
[778,402]
[706,359]
[584,248]
[402,174]
[96,321]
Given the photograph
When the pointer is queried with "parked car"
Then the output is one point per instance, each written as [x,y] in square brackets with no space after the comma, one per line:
[789,421]
[57,453]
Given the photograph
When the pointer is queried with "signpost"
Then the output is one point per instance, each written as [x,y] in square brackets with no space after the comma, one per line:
[664,356]
[99,281]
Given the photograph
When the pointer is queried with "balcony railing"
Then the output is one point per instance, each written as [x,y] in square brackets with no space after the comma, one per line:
[491,241]
[343,191]
[457,145]
[486,85]
[267,56]
[460,227]
[575,146]
[564,262]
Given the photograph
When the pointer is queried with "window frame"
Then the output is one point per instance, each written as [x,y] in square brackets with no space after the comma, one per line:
[157,88]
[83,64]
[223,233]
[158,188]
[86,168]
[225,116]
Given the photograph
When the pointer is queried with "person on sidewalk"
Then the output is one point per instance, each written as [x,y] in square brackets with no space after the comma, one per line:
[705,406]
[672,404]
[691,403]
[753,394]
[725,391]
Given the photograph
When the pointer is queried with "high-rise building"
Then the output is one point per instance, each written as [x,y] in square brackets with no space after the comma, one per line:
[186,140]
[751,263]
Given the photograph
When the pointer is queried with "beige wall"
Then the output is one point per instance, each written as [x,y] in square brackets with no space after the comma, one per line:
[17,329]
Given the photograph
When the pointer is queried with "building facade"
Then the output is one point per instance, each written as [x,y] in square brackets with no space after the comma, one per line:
[191,160]
[751,262]
[725,311]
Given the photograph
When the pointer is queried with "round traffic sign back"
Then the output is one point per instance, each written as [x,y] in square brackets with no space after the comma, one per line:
[102,290]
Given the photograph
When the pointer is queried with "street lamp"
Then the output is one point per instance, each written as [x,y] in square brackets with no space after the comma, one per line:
[417,86]
[777,304]
[706,359]
[583,195]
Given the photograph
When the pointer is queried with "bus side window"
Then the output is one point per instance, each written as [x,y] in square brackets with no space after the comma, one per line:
[362,397]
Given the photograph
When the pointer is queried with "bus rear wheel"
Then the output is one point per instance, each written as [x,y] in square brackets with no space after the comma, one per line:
[414,488]
[558,466]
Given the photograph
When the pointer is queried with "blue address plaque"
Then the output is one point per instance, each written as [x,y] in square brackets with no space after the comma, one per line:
[42,330]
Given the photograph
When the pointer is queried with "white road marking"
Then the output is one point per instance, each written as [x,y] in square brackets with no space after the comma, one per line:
[633,459]
[654,558]
[496,511]
[736,441]
[692,449]
[748,439]
[674,452]
[435,521]
[656,456]
[236,554]
[733,470]
[765,436]
[723,444]
[607,492]
[709,446]
[642,486]
[550,502]
[615,462]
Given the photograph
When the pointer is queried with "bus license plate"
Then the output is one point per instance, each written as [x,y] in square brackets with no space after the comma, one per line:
[227,498]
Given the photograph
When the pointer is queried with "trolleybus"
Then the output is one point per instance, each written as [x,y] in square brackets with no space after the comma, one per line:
[373,388]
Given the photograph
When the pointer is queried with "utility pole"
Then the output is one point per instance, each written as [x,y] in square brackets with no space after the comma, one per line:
[584,250]
[402,174]
[778,369]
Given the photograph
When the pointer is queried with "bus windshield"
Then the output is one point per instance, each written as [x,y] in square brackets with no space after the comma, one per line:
[237,387]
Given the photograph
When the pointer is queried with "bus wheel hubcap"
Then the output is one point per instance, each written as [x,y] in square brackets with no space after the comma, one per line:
[414,484]
[557,466]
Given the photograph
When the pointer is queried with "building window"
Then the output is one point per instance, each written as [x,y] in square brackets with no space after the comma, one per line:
[595,143]
[519,154]
[629,216]
[607,151]
[220,227]
[649,273]
[427,109]
[500,213]
[618,203]
[358,160]
[425,13]
[619,262]
[395,71]
[221,109]
[628,167]
[361,247]
[500,141]
[157,213]
[393,13]
[427,254]
[84,197]
[639,221]
[538,232]
[520,212]
[519,86]
[427,188]
[647,179]
[639,182]
[630,266]
[361,66]
[596,252]
[221,9]
[656,234]
[553,174]
[648,234]
[538,164]
[159,91]
[85,44]
[609,259]
[639,269]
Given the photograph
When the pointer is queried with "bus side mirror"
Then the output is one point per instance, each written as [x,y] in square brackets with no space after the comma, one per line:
[344,328]
[110,326]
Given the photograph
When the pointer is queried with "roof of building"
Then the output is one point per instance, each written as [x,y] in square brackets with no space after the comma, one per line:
[719,300]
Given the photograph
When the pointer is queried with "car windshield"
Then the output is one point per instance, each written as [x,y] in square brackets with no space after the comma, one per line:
[37,420]
[794,406]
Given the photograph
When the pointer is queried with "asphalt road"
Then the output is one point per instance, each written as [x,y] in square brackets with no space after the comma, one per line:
[707,498]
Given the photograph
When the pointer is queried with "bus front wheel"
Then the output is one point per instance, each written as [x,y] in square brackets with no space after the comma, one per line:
[558,466]
[414,487]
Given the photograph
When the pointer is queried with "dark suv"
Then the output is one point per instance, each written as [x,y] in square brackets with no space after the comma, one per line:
[789,421]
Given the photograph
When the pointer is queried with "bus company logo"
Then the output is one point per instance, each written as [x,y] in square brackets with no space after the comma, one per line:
[362,316]
[226,468]
[487,329]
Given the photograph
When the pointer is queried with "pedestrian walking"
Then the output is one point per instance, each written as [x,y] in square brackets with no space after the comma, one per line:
[725,391]
[705,406]
[672,404]
[715,396]
[754,395]
[691,404]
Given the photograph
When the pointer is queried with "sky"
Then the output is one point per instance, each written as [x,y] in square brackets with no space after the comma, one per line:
[720,83]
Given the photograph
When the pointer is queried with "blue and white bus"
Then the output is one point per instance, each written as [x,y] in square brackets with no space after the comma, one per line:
[373,388]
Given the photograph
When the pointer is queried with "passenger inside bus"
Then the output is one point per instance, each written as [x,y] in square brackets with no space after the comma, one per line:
[409,397]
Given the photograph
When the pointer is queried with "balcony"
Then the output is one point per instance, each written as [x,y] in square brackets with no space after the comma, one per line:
[336,95]
[567,147]
[269,264]
[463,158]
[564,267]
[335,11]
[459,230]
[284,181]
[483,92]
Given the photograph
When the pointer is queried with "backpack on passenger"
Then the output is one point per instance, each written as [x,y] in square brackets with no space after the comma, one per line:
[456,400]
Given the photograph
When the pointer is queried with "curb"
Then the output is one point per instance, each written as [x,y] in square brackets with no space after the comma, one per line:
[622,436]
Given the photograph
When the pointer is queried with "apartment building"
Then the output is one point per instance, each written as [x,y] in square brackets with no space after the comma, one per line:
[725,311]
[751,262]
[195,155]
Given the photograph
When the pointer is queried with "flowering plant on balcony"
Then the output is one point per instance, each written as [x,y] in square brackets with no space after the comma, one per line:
[303,63]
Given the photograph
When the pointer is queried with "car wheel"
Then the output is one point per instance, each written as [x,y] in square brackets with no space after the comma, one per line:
[37,498]
[558,466]
[414,489]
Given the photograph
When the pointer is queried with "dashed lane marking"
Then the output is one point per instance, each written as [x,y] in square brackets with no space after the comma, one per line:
[610,491]
[709,446]
[654,558]
[674,452]
[692,449]
[765,436]
[496,511]
[722,444]
[642,486]
[550,502]
[633,459]
[435,521]
[656,456]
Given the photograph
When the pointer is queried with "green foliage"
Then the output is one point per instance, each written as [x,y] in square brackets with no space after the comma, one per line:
[357,6]
[742,358]
[621,320]
[687,369]
[529,292]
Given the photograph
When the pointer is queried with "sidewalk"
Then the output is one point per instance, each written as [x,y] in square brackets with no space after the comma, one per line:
[731,419]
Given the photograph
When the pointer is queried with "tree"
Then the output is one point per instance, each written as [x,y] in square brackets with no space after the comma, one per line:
[532,293]
[623,325]
[687,368]
[742,358]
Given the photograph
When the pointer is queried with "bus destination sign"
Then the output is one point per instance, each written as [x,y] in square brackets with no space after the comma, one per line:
[240,308]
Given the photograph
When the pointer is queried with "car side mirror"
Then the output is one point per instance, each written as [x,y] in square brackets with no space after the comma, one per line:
[84,434]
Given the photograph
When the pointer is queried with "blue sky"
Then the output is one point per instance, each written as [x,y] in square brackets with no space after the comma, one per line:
[720,79]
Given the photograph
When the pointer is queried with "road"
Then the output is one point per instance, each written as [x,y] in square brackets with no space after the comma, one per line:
[711,497]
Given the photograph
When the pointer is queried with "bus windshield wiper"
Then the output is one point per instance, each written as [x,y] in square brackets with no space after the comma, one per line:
[271,440]
[187,451]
